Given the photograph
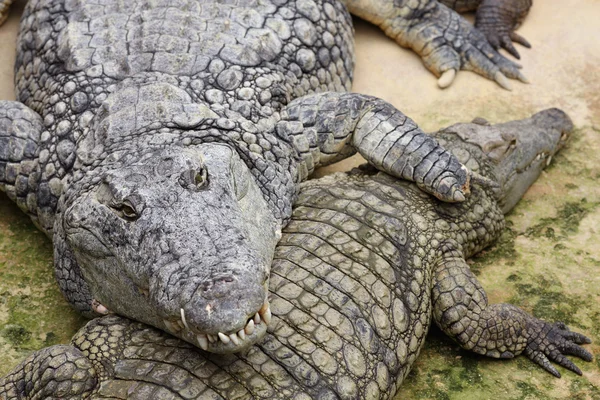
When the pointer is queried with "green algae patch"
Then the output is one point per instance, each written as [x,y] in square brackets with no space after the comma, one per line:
[566,222]
[33,313]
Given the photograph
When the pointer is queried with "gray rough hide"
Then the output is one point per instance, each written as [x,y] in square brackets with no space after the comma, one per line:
[160,145]
[364,264]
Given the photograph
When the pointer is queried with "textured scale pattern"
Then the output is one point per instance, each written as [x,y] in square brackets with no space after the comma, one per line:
[123,105]
[349,299]
[364,264]
[197,58]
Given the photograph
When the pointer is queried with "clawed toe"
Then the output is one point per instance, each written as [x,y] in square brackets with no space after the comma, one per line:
[553,344]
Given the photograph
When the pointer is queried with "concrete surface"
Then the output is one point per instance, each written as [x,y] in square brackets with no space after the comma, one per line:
[548,261]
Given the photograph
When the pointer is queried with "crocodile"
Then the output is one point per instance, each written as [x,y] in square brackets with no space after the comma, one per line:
[365,263]
[160,144]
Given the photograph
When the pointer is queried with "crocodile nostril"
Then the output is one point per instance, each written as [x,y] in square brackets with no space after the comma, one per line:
[217,288]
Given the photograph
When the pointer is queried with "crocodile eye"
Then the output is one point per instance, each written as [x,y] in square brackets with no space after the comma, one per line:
[194,179]
[201,178]
[126,210]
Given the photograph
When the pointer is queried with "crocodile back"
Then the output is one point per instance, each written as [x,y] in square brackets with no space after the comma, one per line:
[72,54]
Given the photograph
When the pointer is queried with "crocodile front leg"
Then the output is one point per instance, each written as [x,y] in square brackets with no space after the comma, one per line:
[445,41]
[498,19]
[461,310]
[328,127]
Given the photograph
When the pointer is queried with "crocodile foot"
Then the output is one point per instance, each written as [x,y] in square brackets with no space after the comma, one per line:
[551,342]
[498,19]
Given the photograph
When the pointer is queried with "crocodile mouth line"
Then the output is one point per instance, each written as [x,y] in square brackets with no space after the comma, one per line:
[544,157]
[223,342]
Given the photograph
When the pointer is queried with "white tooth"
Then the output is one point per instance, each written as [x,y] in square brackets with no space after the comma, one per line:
[256,319]
[234,339]
[249,329]
[224,338]
[203,342]
[267,315]
[548,161]
[242,334]
[183,319]
[211,338]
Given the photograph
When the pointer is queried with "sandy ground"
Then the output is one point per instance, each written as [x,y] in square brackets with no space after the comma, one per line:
[548,261]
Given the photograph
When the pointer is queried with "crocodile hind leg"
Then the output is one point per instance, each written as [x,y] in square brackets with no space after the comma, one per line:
[328,127]
[461,310]
[54,372]
[4,10]
[445,41]
[498,19]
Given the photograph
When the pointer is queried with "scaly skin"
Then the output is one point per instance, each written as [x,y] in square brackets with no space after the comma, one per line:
[463,47]
[497,19]
[161,147]
[364,264]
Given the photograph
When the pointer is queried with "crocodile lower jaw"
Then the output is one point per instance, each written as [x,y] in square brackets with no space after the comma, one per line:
[224,342]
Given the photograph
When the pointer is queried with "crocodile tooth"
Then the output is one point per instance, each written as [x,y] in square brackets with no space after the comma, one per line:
[224,338]
[548,161]
[183,319]
[267,315]
[203,341]
[99,308]
[234,338]
[264,307]
[249,329]
[256,319]
[211,338]
[171,327]
[242,334]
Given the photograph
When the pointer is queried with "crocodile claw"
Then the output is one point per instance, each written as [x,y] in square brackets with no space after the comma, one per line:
[551,342]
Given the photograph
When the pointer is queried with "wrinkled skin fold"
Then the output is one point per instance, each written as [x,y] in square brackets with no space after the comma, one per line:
[365,264]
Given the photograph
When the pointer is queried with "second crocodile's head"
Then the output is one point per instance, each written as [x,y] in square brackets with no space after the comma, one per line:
[181,238]
[513,154]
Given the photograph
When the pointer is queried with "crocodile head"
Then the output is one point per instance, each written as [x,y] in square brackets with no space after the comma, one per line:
[513,154]
[180,238]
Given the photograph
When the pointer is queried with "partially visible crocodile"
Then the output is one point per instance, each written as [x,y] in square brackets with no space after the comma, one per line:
[364,264]
[160,144]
